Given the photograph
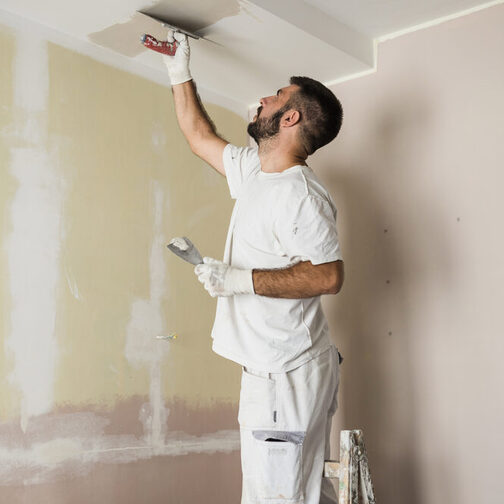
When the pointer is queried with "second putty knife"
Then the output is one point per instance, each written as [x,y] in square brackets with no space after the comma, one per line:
[185,249]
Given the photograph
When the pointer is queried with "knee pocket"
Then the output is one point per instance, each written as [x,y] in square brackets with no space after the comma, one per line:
[277,458]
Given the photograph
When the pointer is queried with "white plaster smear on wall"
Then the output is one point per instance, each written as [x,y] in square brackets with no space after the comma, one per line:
[146,322]
[81,444]
[33,245]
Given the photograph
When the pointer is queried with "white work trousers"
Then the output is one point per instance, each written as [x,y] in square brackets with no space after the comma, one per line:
[285,424]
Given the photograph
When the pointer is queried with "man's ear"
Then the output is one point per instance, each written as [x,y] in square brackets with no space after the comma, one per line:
[291,118]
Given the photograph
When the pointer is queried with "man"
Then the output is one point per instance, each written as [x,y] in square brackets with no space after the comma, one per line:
[282,253]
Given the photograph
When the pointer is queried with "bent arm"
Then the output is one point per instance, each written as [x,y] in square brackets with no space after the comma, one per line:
[299,281]
[197,126]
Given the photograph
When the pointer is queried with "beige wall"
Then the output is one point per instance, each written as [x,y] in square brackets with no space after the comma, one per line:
[96,178]
[417,175]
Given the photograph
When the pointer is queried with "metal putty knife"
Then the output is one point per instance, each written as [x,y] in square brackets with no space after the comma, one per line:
[185,249]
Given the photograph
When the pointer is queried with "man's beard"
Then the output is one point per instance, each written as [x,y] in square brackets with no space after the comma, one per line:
[264,128]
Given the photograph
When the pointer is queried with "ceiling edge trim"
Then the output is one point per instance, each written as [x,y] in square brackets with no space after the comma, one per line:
[439,20]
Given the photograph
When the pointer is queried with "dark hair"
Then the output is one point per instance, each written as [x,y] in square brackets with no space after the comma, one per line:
[321,113]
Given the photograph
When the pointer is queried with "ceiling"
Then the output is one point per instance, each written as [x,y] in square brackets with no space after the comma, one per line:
[255,45]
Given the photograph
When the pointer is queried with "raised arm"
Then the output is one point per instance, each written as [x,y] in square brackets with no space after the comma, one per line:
[193,119]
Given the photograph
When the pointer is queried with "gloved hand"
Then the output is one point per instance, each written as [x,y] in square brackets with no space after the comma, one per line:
[220,279]
[178,65]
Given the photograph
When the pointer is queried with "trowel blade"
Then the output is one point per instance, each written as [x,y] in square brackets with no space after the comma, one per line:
[168,24]
[191,255]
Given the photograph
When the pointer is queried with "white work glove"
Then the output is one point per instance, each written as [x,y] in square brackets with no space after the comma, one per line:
[220,279]
[178,65]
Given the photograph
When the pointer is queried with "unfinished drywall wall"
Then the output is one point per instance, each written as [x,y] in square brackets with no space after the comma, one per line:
[6,188]
[96,179]
[416,173]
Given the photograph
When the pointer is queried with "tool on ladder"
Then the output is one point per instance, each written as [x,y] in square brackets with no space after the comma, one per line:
[352,470]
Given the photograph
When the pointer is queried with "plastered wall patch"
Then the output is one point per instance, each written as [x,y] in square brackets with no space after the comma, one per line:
[143,348]
[33,244]
[73,443]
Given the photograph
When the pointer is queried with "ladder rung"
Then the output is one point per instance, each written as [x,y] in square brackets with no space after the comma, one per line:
[331,469]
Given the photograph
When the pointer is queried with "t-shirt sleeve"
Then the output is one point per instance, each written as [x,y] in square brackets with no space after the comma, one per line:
[239,164]
[310,234]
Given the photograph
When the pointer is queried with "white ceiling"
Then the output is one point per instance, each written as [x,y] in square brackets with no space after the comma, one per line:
[376,18]
[258,45]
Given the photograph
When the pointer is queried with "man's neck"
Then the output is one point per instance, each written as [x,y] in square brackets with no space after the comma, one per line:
[275,159]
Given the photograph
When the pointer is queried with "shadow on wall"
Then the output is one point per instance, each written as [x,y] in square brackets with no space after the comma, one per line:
[392,225]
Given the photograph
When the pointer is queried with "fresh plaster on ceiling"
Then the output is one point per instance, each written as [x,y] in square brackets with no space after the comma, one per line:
[196,14]
[19,25]
[124,38]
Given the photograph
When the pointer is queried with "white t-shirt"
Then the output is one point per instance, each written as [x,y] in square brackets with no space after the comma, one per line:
[279,219]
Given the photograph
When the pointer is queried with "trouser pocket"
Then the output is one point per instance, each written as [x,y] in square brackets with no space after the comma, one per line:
[278,458]
[257,408]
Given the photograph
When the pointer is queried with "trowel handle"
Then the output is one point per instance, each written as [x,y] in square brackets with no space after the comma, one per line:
[163,47]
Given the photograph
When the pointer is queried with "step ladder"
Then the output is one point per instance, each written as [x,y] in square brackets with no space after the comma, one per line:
[352,470]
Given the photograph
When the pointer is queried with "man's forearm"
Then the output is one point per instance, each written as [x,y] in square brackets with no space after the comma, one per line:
[191,115]
[299,281]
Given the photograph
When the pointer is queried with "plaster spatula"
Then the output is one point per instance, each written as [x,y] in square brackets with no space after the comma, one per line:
[185,249]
